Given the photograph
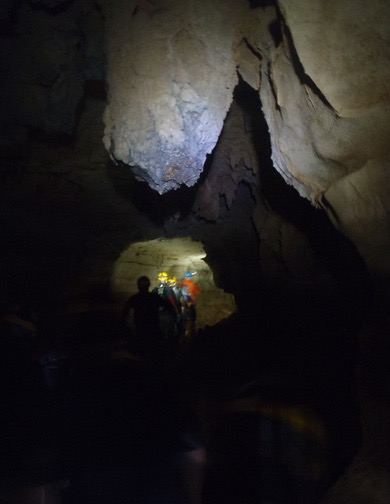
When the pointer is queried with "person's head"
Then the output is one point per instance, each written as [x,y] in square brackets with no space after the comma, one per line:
[162,277]
[189,274]
[172,281]
[143,283]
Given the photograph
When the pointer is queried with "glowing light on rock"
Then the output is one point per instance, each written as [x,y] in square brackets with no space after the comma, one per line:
[175,256]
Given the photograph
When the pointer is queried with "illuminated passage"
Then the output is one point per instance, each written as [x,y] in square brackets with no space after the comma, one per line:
[175,256]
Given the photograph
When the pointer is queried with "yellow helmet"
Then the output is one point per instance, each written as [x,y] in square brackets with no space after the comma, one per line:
[172,281]
[162,277]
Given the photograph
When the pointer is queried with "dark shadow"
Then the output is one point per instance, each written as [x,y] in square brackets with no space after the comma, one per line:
[93,89]
[148,201]
[276,32]
[308,336]
[255,4]
[298,67]
[56,8]
[336,252]
[304,331]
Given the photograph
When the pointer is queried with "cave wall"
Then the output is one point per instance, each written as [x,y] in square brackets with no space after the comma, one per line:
[321,73]
[172,68]
[327,124]
[48,51]
[325,96]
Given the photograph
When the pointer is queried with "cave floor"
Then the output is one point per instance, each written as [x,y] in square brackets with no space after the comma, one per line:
[95,422]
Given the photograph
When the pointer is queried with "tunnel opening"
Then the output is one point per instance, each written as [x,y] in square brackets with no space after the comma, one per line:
[174,256]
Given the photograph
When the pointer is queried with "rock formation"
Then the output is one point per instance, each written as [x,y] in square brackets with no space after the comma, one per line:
[171,76]
[172,69]
[176,116]
[324,94]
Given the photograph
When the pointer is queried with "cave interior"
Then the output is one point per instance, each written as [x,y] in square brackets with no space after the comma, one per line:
[267,386]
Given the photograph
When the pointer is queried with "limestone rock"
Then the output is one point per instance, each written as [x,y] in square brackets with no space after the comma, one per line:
[234,161]
[171,76]
[344,48]
[46,58]
[326,100]
[359,205]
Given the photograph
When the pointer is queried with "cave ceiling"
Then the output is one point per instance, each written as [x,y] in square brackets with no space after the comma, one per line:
[324,94]
[168,73]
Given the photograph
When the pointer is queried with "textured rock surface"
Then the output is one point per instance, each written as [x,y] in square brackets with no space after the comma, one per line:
[47,55]
[321,70]
[235,161]
[171,76]
[175,256]
[324,93]
[325,96]
[74,231]
[360,205]
[343,48]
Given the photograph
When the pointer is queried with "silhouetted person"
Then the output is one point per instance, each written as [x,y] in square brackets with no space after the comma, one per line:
[180,306]
[190,291]
[146,306]
[168,317]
